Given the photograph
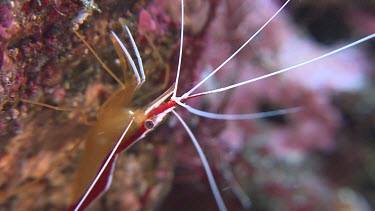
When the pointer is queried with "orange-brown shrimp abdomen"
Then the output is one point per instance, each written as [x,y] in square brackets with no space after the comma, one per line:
[102,137]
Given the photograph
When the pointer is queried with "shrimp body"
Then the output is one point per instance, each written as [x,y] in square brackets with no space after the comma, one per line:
[101,138]
[112,118]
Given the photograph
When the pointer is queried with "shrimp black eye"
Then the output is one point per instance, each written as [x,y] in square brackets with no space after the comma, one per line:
[149,124]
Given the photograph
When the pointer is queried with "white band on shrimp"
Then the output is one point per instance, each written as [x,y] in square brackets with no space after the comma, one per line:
[102,169]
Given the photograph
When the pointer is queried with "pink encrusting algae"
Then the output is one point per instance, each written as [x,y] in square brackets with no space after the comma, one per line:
[283,163]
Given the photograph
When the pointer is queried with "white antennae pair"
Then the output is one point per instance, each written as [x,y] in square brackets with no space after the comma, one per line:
[139,74]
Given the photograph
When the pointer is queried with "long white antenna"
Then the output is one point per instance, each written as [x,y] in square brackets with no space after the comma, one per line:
[235,53]
[180,53]
[88,191]
[288,68]
[239,116]
[206,166]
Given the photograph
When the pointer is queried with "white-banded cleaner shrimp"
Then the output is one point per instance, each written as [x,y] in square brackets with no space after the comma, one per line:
[275,187]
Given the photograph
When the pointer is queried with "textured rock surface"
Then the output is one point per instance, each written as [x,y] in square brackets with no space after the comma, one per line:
[301,161]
